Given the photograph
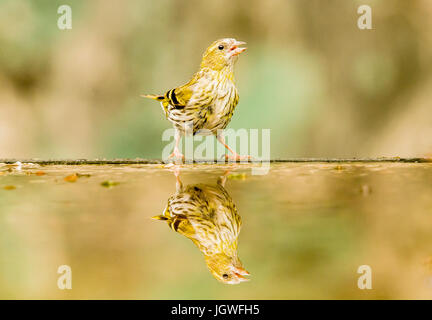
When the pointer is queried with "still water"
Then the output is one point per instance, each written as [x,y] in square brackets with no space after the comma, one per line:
[301,231]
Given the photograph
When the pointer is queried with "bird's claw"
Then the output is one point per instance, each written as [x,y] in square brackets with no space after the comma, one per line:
[176,155]
[237,158]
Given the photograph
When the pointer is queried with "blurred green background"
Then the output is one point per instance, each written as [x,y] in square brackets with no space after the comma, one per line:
[324,87]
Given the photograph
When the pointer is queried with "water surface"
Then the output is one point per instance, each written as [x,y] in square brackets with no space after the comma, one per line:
[306,228]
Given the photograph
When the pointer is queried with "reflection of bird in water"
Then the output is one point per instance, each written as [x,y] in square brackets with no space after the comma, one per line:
[207,215]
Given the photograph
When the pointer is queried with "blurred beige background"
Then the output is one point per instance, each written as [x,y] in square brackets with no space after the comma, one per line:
[324,87]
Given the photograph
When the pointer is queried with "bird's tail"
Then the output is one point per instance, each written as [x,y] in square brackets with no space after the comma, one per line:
[154,97]
[170,220]
[161,217]
[161,99]
[165,216]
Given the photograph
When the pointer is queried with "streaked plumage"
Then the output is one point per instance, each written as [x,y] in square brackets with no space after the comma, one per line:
[207,215]
[208,100]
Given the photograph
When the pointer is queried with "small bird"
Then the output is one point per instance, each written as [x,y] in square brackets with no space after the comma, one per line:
[208,100]
[207,215]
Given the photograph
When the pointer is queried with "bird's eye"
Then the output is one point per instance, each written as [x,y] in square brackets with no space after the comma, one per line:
[225,276]
[221,47]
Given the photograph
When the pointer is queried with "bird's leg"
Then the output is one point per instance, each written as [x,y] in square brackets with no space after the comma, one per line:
[179,184]
[176,153]
[235,156]
[222,179]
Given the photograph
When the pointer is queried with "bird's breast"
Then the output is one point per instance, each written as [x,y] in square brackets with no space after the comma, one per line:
[219,111]
[211,105]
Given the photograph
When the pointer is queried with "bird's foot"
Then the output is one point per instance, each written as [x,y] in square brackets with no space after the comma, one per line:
[237,158]
[177,156]
[222,179]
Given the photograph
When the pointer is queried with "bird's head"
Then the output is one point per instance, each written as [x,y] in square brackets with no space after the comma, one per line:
[222,53]
[226,269]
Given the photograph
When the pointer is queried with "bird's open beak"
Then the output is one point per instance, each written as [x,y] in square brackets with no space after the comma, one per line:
[242,271]
[235,49]
[240,274]
[240,277]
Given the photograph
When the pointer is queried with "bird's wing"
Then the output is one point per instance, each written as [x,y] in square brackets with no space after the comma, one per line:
[182,225]
[195,94]
[179,97]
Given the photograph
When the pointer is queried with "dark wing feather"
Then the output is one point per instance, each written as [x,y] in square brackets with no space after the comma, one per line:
[178,97]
